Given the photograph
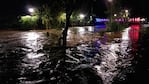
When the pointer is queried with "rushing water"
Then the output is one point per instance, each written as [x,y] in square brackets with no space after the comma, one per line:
[21,57]
[111,58]
[21,54]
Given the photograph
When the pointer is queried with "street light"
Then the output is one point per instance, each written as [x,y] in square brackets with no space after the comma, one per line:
[82,16]
[115,15]
[126,11]
[31,10]
[110,1]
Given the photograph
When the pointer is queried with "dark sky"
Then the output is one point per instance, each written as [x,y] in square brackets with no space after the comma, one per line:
[138,7]
[13,8]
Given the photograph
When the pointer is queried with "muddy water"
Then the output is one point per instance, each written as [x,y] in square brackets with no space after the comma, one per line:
[21,54]
[20,57]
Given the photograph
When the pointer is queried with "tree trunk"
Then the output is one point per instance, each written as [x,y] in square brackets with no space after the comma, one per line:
[65,30]
[63,38]
[67,24]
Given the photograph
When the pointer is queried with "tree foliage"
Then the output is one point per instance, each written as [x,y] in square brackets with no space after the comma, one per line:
[45,15]
[29,22]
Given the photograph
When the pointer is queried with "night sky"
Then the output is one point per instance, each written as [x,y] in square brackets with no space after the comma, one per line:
[137,7]
[13,8]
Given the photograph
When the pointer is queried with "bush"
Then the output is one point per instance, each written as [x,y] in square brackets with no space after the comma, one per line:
[116,27]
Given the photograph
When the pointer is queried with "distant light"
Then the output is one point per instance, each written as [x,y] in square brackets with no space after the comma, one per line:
[82,16]
[110,0]
[143,19]
[31,10]
[115,15]
[101,20]
[119,20]
[126,11]
[136,20]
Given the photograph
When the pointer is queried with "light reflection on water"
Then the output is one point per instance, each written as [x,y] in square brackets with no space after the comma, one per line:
[32,41]
[30,63]
[34,55]
[32,36]
[79,32]
[110,58]
[125,34]
[34,44]
[134,36]
[90,29]
[32,60]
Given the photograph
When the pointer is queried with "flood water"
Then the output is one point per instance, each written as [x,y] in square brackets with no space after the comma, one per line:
[20,57]
[21,54]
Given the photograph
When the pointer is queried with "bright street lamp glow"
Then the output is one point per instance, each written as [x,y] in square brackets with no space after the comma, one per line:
[126,11]
[82,16]
[115,15]
[110,0]
[31,10]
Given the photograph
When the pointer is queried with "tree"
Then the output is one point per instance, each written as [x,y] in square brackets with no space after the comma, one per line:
[28,21]
[45,16]
[61,19]
[68,6]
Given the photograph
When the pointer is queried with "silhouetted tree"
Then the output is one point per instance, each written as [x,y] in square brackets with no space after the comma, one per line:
[45,16]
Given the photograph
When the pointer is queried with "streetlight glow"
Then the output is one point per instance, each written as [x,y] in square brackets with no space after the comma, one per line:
[126,11]
[82,16]
[115,15]
[110,1]
[31,10]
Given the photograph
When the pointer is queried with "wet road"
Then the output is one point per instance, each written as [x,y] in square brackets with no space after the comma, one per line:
[21,54]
